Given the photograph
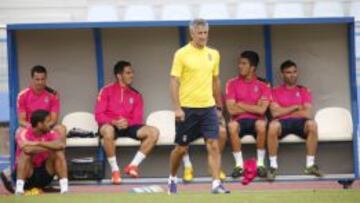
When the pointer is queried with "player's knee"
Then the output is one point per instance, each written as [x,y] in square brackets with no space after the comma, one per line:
[222,133]
[274,125]
[25,154]
[311,126]
[222,130]
[274,129]
[182,150]
[149,133]
[212,146]
[59,154]
[154,133]
[233,126]
[61,129]
[260,126]
[107,131]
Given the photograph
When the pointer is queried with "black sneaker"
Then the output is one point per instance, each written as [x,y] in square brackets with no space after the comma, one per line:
[313,170]
[6,180]
[271,174]
[237,172]
[261,172]
[346,183]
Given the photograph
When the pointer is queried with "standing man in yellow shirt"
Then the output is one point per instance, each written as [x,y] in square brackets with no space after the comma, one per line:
[195,92]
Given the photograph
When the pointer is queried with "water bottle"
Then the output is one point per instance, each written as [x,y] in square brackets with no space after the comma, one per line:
[147,189]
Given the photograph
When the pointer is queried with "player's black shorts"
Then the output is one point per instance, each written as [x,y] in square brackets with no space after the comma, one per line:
[128,132]
[293,126]
[40,178]
[199,122]
[247,127]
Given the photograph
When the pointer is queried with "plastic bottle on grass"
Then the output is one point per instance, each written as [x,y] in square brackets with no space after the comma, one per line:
[147,189]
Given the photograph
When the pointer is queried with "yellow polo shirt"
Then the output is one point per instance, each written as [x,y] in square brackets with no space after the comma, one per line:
[195,69]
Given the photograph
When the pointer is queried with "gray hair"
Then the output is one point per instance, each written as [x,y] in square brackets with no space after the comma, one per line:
[198,22]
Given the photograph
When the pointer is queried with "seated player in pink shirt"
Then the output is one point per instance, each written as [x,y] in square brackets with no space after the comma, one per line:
[39,96]
[247,99]
[119,112]
[291,110]
[40,155]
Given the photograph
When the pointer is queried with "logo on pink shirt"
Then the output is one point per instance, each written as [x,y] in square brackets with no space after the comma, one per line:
[131,100]
[256,88]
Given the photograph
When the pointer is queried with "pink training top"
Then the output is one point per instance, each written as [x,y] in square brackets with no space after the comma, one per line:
[115,102]
[27,134]
[248,92]
[29,101]
[284,96]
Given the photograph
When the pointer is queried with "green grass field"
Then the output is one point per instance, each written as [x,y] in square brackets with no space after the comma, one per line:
[326,196]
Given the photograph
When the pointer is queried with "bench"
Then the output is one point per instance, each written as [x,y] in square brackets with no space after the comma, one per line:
[334,124]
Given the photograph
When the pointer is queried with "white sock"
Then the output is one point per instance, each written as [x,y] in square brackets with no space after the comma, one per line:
[238,159]
[273,162]
[310,160]
[113,163]
[64,185]
[186,160]
[138,158]
[215,183]
[172,178]
[19,186]
[260,157]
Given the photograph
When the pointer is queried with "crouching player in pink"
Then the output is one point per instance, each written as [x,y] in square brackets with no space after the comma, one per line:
[40,155]
[119,113]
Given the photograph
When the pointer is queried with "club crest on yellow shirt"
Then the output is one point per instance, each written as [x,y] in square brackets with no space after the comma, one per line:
[209,57]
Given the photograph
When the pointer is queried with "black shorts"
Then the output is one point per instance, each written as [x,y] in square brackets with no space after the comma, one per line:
[247,127]
[40,178]
[128,132]
[293,126]
[199,122]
